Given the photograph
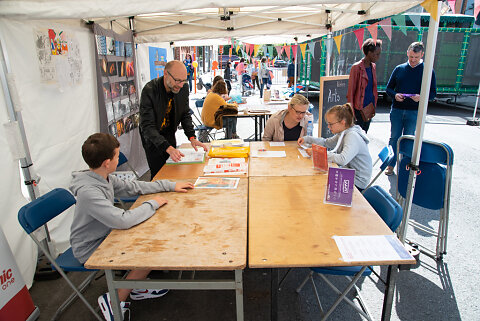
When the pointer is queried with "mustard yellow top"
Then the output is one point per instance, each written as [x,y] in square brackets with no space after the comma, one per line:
[211,104]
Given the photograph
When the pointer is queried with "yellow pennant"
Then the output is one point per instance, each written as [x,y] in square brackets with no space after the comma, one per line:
[432,7]
[338,41]
[303,46]
[255,49]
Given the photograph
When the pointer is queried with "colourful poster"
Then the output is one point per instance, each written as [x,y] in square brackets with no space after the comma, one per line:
[158,59]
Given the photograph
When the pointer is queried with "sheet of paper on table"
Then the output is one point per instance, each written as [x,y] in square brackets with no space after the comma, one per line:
[227,142]
[219,160]
[268,153]
[217,182]
[277,144]
[237,168]
[191,156]
[303,152]
[371,248]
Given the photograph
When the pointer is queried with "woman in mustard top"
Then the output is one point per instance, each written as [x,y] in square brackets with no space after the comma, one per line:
[212,102]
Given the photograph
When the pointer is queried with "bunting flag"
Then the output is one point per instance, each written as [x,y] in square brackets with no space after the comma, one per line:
[303,46]
[270,51]
[264,49]
[400,21]
[252,50]
[279,51]
[359,34]
[476,9]
[311,48]
[451,3]
[386,25]
[416,21]
[255,49]
[237,48]
[294,51]
[373,30]
[338,41]
[287,51]
[432,8]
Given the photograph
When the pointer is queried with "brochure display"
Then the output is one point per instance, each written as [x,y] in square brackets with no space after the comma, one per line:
[319,156]
[340,184]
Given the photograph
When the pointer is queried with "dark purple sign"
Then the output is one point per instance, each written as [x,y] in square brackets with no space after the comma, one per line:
[341,182]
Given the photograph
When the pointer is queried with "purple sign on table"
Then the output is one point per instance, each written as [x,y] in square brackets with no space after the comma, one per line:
[341,182]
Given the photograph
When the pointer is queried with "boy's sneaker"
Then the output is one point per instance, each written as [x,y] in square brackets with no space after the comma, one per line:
[142,294]
[106,307]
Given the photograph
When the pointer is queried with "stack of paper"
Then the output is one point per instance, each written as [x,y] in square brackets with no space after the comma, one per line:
[226,166]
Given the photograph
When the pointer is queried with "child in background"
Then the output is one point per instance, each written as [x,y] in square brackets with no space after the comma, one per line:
[95,215]
[349,143]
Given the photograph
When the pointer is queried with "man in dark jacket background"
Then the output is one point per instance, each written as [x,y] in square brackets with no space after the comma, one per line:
[164,105]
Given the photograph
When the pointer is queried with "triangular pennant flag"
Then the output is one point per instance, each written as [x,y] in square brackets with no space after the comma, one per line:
[416,21]
[237,48]
[279,51]
[476,9]
[359,34]
[270,52]
[338,41]
[264,49]
[294,51]
[432,8]
[255,49]
[400,21]
[287,51]
[252,50]
[303,46]
[386,25]
[311,48]
[373,31]
[451,4]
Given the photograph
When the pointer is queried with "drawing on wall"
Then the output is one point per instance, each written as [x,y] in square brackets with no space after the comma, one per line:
[58,54]
[158,59]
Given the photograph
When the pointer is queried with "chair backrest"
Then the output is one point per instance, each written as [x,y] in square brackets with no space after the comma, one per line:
[43,209]
[122,159]
[429,185]
[386,207]
[387,159]
[432,152]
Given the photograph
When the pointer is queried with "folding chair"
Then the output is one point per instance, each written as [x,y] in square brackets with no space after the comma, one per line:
[41,211]
[391,212]
[205,133]
[386,155]
[432,187]
[126,175]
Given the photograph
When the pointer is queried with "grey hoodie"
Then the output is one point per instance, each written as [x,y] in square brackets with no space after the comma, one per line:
[95,215]
[352,152]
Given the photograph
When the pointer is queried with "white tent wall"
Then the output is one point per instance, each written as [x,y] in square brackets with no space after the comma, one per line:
[11,199]
[143,61]
[57,120]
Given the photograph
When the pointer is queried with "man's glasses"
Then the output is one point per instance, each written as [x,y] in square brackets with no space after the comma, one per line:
[299,113]
[177,81]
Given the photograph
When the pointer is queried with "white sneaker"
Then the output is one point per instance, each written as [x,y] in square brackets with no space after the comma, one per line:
[106,307]
[142,294]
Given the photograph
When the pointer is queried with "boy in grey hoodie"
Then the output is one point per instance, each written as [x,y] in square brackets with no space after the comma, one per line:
[349,145]
[95,215]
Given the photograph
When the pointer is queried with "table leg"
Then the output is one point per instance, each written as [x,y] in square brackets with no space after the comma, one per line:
[256,124]
[239,294]
[114,301]
[274,294]
[261,125]
[389,292]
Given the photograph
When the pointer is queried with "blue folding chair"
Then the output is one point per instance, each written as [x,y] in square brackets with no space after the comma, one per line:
[39,212]
[127,175]
[432,187]
[386,155]
[391,213]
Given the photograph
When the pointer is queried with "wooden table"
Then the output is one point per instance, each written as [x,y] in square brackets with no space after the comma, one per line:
[203,229]
[293,165]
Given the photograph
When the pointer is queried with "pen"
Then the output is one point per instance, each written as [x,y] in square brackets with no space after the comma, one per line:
[262,150]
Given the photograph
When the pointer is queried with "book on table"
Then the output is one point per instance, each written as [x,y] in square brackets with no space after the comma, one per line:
[319,156]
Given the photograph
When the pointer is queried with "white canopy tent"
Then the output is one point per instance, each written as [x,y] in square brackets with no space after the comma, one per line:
[57,117]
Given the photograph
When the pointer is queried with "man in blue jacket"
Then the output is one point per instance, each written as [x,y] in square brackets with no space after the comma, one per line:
[404,87]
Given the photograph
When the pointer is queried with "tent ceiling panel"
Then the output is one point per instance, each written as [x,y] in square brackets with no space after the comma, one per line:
[160,21]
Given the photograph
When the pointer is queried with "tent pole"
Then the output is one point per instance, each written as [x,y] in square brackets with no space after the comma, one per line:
[295,56]
[474,121]
[422,114]
[329,45]
[16,116]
